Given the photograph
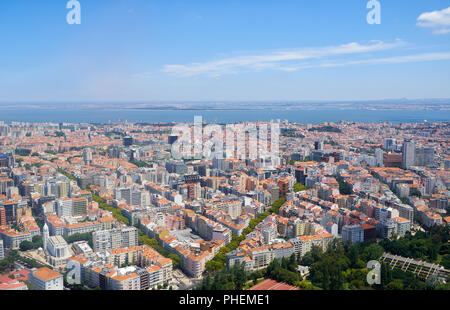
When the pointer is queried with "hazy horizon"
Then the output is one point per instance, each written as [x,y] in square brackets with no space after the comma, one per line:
[203,51]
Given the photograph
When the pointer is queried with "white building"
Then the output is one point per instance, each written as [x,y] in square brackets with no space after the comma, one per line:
[403,189]
[106,240]
[379,156]
[58,251]
[45,236]
[82,247]
[87,156]
[64,207]
[45,279]
[408,154]
[2,250]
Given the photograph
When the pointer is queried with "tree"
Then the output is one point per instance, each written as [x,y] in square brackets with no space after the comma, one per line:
[37,241]
[213,265]
[344,187]
[26,246]
[395,285]
[446,261]
[416,192]
[372,252]
[312,256]
[299,187]
[175,260]
[433,281]
[386,275]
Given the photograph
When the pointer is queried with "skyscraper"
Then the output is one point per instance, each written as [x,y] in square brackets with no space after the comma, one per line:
[87,156]
[379,157]
[2,251]
[318,145]
[127,141]
[408,153]
[353,234]
[389,144]
[424,156]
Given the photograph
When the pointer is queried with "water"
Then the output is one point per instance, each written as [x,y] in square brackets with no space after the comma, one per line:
[315,116]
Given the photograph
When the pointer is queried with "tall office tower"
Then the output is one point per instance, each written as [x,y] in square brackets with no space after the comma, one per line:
[424,156]
[87,156]
[408,153]
[62,189]
[114,151]
[389,144]
[379,157]
[127,141]
[353,234]
[171,139]
[2,250]
[430,183]
[318,145]
[6,160]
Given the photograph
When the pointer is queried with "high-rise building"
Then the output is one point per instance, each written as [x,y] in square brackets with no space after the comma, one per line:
[123,194]
[101,240]
[129,237]
[408,154]
[106,240]
[64,207]
[318,145]
[2,250]
[6,160]
[430,183]
[379,157]
[424,156]
[127,141]
[389,144]
[171,139]
[353,233]
[87,156]
[79,206]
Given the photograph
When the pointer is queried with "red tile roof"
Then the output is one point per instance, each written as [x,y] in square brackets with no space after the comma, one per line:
[272,285]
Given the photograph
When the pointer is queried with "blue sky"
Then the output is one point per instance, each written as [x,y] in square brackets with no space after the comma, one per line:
[146,50]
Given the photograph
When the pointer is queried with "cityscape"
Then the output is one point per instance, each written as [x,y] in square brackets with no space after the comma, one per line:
[224,153]
[106,206]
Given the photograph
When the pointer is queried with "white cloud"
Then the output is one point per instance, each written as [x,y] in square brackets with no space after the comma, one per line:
[386,60]
[274,59]
[438,20]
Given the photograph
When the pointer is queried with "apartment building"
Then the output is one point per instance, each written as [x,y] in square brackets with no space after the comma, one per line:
[45,279]
[12,239]
[304,244]
[353,233]
[2,250]
[106,240]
